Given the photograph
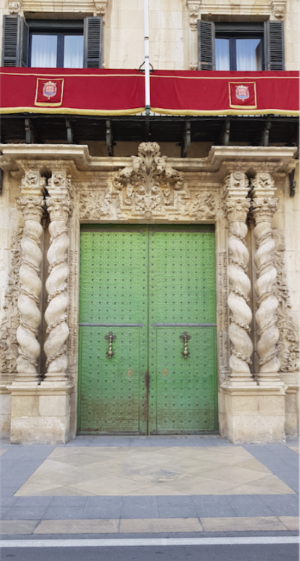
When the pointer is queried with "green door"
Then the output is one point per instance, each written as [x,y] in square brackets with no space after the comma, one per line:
[147,294]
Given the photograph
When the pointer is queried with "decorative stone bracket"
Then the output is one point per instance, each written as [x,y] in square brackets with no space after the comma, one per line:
[194,14]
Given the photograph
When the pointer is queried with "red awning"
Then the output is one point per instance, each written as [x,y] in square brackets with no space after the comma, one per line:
[121,92]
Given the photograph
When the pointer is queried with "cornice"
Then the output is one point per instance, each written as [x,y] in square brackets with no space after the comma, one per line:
[223,159]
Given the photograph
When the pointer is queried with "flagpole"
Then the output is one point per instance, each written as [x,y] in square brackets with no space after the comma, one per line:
[147,57]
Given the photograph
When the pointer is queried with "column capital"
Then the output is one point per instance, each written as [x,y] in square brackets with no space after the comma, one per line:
[236,205]
[32,184]
[263,185]
[58,203]
[263,209]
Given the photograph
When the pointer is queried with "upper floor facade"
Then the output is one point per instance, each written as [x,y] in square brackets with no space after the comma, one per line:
[184,34]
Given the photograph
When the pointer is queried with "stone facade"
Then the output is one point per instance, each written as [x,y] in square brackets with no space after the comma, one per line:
[50,189]
[257,333]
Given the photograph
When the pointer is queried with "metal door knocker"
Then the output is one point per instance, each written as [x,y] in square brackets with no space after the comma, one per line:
[185,337]
[110,338]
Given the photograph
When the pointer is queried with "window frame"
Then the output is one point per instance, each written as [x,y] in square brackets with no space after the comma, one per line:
[233,31]
[58,28]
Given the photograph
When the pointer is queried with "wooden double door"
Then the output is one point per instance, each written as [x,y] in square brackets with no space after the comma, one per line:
[147,330]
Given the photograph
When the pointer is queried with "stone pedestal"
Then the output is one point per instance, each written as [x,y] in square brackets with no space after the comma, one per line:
[254,414]
[40,415]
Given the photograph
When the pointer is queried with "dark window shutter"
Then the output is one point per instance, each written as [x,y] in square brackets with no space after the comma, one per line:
[11,41]
[206,45]
[24,56]
[274,45]
[92,42]
[15,41]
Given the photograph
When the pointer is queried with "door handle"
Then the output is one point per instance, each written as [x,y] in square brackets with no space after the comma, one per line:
[185,338]
[110,338]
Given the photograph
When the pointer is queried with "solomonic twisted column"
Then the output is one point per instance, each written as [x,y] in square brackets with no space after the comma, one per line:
[264,207]
[59,207]
[236,207]
[31,203]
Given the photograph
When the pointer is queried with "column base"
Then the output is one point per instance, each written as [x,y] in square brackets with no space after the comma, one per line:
[40,415]
[254,414]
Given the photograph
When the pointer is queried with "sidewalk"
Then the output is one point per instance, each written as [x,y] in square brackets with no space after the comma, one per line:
[154,485]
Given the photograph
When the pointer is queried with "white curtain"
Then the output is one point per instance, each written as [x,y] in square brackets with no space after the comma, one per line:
[248,54]
[222,54]
[44,51]
[73,51]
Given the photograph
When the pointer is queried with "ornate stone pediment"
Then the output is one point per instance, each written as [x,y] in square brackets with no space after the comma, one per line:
[148,188]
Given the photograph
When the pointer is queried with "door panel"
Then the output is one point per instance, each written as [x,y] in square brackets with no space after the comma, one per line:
[182,298]
[147,285]
[113,298]
[113,397]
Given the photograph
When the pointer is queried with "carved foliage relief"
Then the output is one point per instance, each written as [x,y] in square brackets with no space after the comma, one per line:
[11,319]
[288,343]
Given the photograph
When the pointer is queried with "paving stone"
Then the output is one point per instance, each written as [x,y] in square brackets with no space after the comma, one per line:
[68,502]
[247,505]
[27,513]
[20,527]
[77,527]
[213,506]
[32,501]
[61,513]
[282,505]
[139,507]
[242,524]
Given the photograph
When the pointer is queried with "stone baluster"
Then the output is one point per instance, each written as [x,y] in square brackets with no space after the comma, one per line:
[31,203]
[236,207]
[263,207]
[59,208]
[193,7]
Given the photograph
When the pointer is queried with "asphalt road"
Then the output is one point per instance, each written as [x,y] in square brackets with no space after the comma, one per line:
[268,552]
[222,548]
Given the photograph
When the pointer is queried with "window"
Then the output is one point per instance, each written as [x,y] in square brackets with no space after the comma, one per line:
[241,46]
[55,44]
[52,43]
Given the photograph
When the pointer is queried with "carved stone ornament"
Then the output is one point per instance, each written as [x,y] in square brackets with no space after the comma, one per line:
[288,343]
[31,203]
[278,7]
[148,188]
[101,9]
[194,14]
[14,8]
[11,318]
[236,206]
[59,207]
[265,285]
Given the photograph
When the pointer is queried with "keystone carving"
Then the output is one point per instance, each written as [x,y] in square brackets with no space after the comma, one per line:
[263,209]
[59,208]
[236,206]
[31,203]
